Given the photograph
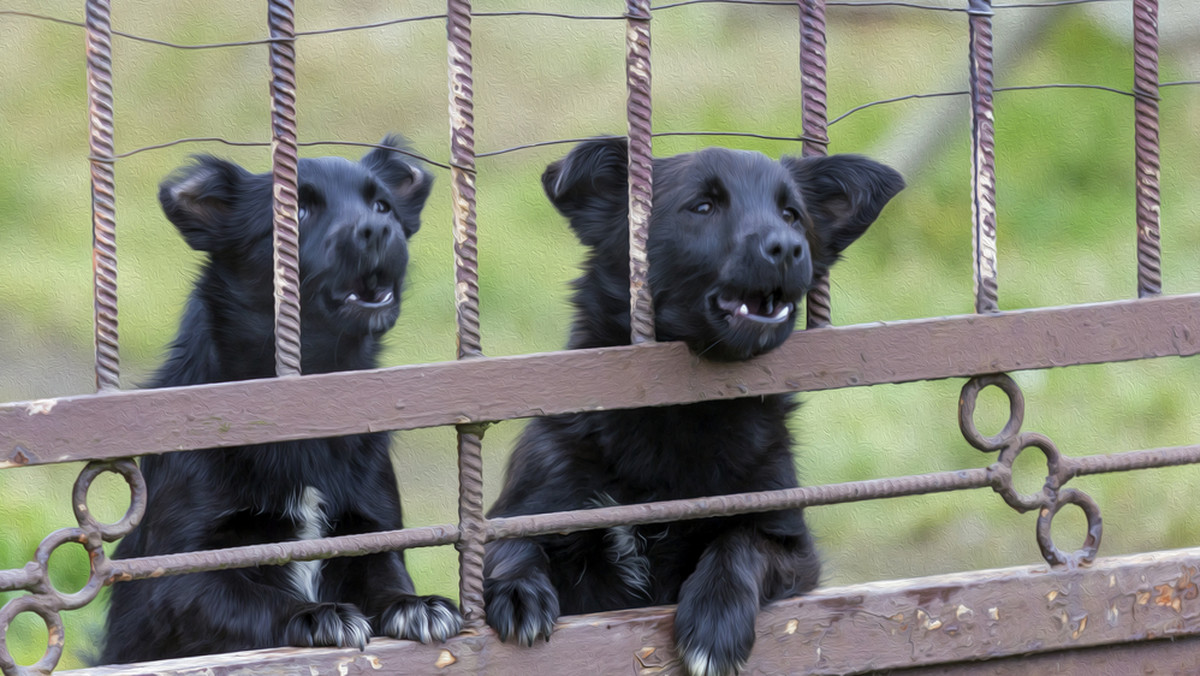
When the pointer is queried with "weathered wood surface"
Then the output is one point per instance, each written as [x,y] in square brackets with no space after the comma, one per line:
[154,421]
[935,623]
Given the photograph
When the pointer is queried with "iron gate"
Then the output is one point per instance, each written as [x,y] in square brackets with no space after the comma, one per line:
[1104,609]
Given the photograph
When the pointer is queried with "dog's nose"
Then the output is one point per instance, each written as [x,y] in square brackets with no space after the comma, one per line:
[372,236]
[784,247]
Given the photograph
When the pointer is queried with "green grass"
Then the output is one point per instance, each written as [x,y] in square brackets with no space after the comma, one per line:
[1066,233]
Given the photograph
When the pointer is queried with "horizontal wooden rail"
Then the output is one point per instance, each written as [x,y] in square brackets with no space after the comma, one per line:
[250,412]
[920,622]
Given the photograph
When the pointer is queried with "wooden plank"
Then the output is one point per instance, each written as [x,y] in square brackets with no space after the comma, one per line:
[249,412]
[1179,656]
[939,620]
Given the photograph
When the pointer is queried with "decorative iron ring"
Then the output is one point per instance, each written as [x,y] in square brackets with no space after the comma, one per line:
[966,411]
[1002,470]
[79,599]
[1091,544]
[128,470]
[56,636]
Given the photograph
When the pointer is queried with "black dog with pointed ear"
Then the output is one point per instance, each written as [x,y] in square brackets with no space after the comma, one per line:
[355,221]
[735,240]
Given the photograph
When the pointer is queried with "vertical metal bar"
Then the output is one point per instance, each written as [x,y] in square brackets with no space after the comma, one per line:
[812,97]
[104,225]
[641,184]
[280,15]
[983,167]
[471,520]
[1145,120]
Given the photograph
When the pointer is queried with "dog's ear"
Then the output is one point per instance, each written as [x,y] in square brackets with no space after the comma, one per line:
[407,180]
[844,194]
[589,187]
[202,199]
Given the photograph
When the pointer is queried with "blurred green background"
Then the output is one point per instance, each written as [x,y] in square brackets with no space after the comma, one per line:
[1066,223]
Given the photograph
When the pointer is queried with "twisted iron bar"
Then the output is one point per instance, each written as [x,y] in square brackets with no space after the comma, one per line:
[44,599]
[466,301]
[104,224]
[1146,162]
[641,179]
[286,230]
[983,158]
[812,99]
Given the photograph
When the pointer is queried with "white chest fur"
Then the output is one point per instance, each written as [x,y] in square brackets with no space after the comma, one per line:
[307,511]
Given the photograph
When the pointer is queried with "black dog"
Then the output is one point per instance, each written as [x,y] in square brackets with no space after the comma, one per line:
[355,220]
[735,240]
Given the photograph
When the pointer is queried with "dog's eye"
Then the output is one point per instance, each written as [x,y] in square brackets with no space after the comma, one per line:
[790,215]
[382,207]
[701,208]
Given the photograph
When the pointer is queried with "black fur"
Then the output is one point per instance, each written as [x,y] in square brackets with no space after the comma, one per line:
[735,239]
[355,220]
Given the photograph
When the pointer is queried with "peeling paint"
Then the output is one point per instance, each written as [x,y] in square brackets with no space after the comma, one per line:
[444,659]
[1079,630]
[963,613]
[41,406]
[1051,596]
[374,662]
[792,626]
[994,613]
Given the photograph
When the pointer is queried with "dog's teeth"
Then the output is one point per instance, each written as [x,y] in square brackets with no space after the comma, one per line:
[743,310]
[352,298]
[783,311]
[387,297]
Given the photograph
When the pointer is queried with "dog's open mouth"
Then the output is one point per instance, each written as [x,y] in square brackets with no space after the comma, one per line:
[371,291]
[768,308]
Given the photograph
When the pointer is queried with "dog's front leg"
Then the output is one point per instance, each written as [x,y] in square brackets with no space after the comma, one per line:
[381,586]
[714,624]
[519,598]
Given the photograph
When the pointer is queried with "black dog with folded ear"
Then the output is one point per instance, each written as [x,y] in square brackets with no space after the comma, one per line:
[355,222]
[735,240]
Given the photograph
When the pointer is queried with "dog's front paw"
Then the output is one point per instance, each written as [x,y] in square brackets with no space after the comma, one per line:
[329,624]
[421,618]
[524,609]
[714,638]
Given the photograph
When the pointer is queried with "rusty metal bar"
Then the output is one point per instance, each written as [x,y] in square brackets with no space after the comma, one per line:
[466,302]
[1145,120]
[641,165]
[121,570]
[812,100]
[741,503]
[605,517]
[983,157]
[250,412]
[937,622]
[284,174]
[104,225]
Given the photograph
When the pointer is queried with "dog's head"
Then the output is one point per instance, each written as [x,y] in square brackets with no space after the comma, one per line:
[355,220]
[735,237]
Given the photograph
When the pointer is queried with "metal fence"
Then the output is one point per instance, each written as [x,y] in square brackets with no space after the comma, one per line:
[107,427]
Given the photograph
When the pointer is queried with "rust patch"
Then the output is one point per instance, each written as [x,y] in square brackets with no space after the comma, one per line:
[19,457]
[1173,596]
